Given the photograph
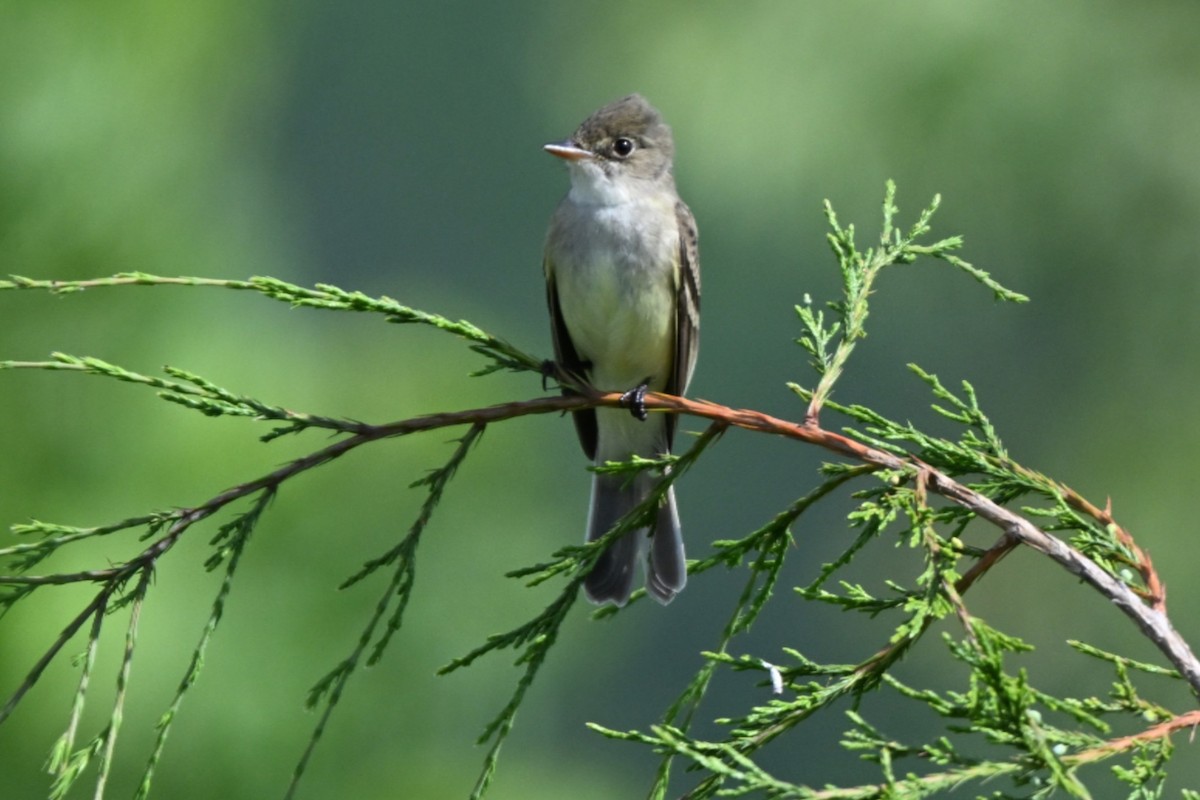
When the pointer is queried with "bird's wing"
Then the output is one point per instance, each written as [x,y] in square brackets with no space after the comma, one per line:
[687,308]
[569,361]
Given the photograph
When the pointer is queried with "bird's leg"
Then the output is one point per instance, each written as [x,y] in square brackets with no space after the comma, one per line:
[635,400]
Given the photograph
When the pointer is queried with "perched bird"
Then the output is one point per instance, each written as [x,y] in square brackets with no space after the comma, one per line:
[623,285]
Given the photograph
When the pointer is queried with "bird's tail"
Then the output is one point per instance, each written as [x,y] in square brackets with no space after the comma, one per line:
[611,579]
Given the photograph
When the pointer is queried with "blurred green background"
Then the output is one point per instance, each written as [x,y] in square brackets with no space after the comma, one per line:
[394,148]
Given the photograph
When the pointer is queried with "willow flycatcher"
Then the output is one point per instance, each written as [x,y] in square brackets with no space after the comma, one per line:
[623,284]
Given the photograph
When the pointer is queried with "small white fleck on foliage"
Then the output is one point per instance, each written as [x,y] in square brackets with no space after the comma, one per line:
[776,677]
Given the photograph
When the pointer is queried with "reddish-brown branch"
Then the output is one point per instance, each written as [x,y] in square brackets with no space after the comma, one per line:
[1160,731]
[984,771]
[1155,592]
[989,559]
[1151,619]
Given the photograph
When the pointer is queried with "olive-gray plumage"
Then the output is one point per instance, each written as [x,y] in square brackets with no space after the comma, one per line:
[623,286]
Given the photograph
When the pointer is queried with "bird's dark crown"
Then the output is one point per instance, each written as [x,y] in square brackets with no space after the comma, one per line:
[631,118]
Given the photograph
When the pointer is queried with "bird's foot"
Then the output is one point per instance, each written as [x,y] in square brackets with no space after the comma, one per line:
[635,400]
[549,370]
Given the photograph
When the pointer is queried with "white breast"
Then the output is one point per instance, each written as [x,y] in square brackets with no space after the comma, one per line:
[616,278]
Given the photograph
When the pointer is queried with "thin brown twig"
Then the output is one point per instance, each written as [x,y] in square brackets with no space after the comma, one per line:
[1005,545]
[1191,719]
[1155,592]
[1162,730]
[950,590]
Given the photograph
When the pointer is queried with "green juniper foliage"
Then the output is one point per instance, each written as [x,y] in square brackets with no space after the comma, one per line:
[1036,745]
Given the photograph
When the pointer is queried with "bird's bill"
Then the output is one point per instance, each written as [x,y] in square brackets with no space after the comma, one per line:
[567,150]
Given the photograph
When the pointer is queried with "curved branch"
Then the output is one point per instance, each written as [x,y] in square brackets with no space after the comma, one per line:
[1151,619]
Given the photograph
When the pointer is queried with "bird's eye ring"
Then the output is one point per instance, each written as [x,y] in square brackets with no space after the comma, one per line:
[622,147]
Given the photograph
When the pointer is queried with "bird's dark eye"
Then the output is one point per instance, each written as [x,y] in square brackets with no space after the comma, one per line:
[622,147]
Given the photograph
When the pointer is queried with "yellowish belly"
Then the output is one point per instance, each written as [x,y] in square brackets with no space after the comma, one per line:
[622,320]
